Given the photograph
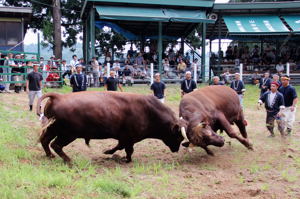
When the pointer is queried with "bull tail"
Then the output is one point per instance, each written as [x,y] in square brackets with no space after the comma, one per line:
[50,95]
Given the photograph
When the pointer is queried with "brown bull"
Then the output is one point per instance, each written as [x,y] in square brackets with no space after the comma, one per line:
[209,109]
[129,118]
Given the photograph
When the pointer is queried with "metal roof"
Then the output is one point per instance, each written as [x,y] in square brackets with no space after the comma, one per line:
[256,5]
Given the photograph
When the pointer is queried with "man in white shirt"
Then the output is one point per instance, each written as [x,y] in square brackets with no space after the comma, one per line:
[73,63]
[96,71]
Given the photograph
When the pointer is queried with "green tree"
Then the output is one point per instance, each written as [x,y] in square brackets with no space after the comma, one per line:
[44,18]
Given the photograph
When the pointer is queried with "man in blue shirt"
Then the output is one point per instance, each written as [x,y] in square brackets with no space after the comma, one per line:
[158,88]
[265,83]
[78,81]
[274,104]
[291,100]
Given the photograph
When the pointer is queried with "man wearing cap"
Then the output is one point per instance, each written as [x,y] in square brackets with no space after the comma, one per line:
[274,104]
[238,86]
[188,84]
[78,81]
[265,83]
[112,83]
[291,100]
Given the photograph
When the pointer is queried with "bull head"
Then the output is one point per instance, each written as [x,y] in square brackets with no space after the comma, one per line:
[203,135]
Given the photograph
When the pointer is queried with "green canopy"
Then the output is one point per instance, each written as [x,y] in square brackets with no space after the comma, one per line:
[151,14]
[293,21]
[131,13]
[255,25]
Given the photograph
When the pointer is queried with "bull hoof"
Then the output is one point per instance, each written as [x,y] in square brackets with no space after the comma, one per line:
[51,156]
[186,144]
[108,152]
[250,147]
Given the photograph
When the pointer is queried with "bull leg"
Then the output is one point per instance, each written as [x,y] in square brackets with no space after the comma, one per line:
[45,140]
[129,151]
[113,150]
[208,151]
[230,132]
[241,125]
[58,144]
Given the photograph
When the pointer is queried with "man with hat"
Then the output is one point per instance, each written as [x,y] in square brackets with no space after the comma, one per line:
[238,86]
[78,81]
[291,100]
[274,104]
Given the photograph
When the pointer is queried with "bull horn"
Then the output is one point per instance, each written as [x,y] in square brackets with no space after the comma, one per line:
[183,133]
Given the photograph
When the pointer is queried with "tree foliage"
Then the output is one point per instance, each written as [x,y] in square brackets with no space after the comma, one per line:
[43,19]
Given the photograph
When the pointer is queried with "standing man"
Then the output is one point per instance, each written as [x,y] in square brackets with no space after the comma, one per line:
[274,103]
[265,83]
[291,100]
[96,71]
[112,83]
[34,85]
[127,76]
[188,85]
[238,86]
[66,70]
[78,81]
[158,88]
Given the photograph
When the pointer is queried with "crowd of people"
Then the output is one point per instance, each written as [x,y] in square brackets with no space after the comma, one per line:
[267,58]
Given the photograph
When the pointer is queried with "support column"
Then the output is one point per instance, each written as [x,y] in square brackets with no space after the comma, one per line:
[219,47]
[182,45]
[92,32]
[159,47]
[203,51]
[209,66]
[87,42]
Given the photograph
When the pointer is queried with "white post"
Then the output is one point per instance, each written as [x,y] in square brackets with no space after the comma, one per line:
[108,70]
[288,68]
[151,73]
[241,71]
[195,72]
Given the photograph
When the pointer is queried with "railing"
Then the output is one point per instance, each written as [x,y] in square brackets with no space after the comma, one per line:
[8,77]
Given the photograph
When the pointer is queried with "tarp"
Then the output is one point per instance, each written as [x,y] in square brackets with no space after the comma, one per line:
[255,25]
[131,13]
[190,16]
[293,21]
[127,34]
[151,14]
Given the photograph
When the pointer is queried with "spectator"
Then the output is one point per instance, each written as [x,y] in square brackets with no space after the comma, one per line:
[166,66]
[66,69]
[238,86]
[291,100]
[96,71]
[181,67]
[34,85]
[265,83]
[82,63]
[112,83]
[280,67]
[78,81]
[216,81]
[73,63]
[158,88]
[255,77]
[116,64]
[17,68]
[229,53]
[276,79]
[127,76]
[188,85]
[139,60]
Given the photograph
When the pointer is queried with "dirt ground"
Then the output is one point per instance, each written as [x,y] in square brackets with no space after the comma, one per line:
[272,170]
